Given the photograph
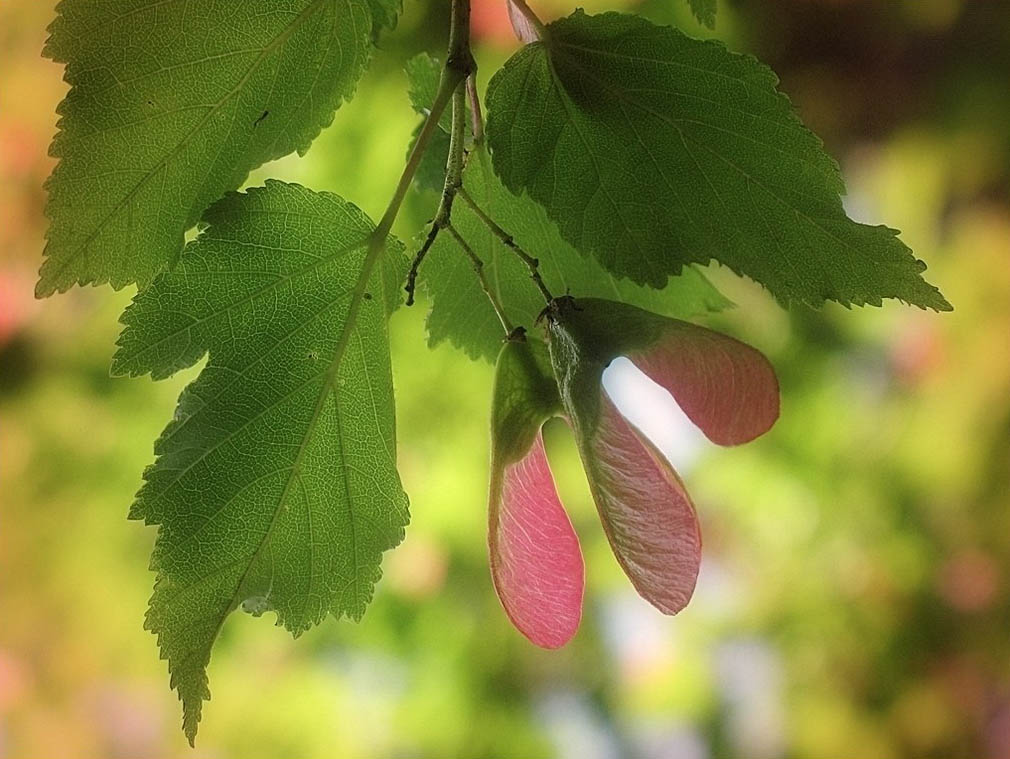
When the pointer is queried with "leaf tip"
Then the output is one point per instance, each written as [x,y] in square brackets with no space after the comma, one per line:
[191,721]
[939,303]
[43,289]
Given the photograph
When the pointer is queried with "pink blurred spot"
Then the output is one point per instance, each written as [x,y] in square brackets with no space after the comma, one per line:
[536,561]
[916,352]
[646,512]
[417,569]
[13,680]
[16,303]
[969,581]
[724,386]
[129,720]
[966,681]
[20,148]
[489,22]
[997,731]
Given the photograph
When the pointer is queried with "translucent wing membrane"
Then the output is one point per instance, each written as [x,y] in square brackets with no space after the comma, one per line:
[536,561]
[646,512]
[724,386]
[525,31]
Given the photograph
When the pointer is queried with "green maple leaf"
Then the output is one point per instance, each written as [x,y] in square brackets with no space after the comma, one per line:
[170,106]
[652,150]
[461,313]
[275,485]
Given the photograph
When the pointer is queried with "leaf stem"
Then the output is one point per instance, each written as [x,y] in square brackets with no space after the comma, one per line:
[459,65]
[478,266]
[447,85]
[455,163]
[532,263]
[459,61]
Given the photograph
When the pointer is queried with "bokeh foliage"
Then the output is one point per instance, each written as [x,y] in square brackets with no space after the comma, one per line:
[855,597]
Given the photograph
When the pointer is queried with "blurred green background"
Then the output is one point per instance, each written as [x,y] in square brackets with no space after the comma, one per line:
[854,598]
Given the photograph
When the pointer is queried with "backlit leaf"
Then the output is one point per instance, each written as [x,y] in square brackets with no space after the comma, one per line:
[275,485]
[172,104]
[704,11]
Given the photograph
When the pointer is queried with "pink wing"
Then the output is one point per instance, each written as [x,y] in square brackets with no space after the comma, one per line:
[646,512]
[536,561]
[525,32]
[724,386]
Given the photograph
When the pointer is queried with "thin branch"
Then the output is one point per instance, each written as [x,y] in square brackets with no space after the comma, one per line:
[453,181]
[416,263]
[460,62]
[455,163]
[478,267]
[448,84]
[460,57]
[458,65]
[531,263]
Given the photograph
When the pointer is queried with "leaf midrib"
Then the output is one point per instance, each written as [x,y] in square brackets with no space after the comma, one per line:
[375,250]
[330,378]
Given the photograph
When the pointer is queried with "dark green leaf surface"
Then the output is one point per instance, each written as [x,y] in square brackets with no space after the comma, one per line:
[704,11]
[423,74]
[385,14]
[431,170]
[460,311]
[652,150]
[172,104]
[275,485]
